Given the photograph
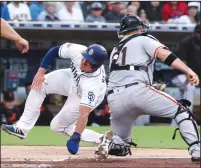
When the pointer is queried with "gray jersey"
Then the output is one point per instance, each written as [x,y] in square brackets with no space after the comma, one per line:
[139,51]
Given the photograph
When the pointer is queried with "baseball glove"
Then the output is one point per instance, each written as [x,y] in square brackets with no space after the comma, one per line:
[118,147]
[159,86]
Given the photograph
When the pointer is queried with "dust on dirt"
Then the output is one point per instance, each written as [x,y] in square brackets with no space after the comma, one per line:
[58,157]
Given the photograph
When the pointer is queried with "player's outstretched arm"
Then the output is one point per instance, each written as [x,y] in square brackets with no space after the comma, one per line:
[73,142]
[172,60]
[47,60]
[83,119]
[8,32]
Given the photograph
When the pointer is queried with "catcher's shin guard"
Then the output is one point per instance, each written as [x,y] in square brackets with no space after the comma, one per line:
[187,126]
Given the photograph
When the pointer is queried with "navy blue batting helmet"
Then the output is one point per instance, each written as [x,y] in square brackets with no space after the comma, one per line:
[130,23]
[95,54]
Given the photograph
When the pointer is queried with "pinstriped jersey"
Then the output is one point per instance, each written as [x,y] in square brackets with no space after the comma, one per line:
[139,51]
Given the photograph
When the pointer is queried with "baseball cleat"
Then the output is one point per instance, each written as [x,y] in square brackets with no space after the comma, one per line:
[195,159]
[101,153]
[13,130]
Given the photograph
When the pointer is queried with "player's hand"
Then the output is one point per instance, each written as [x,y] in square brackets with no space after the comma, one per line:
[193,78]
[22,45]
[38,80]
[73,143]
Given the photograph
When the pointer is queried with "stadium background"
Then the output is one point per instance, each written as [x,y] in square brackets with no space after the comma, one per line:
[18,70]
[43,148]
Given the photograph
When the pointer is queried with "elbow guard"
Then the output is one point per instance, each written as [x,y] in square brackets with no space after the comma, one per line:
[170,59]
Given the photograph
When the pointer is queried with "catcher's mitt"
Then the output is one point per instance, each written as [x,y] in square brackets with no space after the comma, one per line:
[159,86]
[118,147]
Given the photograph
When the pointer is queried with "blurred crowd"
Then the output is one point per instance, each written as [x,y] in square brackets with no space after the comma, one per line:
[177,12]
[188,50]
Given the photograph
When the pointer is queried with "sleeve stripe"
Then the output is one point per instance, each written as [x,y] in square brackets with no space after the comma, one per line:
[157,50]
[60,51]
[86,105]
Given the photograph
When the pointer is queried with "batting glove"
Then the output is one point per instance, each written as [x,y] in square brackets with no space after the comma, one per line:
[73,143]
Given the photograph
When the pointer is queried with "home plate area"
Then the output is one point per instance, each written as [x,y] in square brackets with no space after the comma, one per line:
[58,157]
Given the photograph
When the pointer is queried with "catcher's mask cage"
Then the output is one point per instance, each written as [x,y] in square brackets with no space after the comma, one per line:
[130,23]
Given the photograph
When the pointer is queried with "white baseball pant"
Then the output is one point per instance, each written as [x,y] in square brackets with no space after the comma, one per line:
[58,82]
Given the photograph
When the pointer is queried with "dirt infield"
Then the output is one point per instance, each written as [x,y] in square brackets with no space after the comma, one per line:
[58,157]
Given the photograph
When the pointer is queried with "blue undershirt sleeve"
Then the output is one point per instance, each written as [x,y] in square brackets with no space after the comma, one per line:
[49,57]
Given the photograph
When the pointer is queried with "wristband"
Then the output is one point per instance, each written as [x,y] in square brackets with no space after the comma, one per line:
[75,137]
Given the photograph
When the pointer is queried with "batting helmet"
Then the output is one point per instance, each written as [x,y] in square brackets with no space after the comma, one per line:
[95,54]
[130,23]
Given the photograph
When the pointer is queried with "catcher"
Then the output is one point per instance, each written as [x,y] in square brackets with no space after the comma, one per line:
[131,94]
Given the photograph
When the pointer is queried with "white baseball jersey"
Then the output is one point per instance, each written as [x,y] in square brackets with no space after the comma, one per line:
[139,51]
[90,87]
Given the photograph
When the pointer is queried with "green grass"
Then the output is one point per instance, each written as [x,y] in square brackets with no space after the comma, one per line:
[146,137]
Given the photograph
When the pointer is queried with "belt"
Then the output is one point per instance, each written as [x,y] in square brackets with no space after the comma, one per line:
[126,86]
[128,67]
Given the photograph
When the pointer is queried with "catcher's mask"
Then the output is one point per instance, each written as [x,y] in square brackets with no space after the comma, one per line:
[130,23]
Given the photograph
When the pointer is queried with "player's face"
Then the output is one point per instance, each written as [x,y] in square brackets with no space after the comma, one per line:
[85,66]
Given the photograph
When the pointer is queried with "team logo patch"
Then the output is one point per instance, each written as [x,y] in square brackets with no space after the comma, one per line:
[91,51]
[91,96]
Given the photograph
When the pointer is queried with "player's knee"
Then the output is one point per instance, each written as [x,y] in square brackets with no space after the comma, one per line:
[69,130]
[183,113]
[54,126]
[42,91]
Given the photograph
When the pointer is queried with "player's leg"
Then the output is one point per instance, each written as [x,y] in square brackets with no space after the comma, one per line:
[142,120]
[150,101]
[122,119]
[58,82]
[157,103]
[122,116]
[64,122]
[186,91]
[189,94]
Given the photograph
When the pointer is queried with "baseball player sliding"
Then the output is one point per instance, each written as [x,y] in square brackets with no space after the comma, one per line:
[84,84]
[131,94]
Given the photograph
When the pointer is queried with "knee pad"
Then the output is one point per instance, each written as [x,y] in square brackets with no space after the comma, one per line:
[184,114]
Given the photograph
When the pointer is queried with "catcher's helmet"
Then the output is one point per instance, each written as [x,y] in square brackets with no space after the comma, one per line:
[95,54]
[130,23]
